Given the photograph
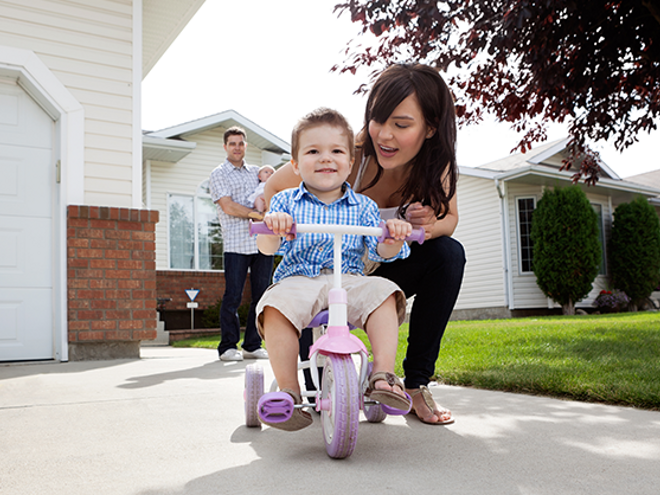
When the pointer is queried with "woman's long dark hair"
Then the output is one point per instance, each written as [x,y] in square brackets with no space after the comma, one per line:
[437,155]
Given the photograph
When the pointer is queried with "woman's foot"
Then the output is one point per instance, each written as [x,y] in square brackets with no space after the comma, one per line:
[425,408]
[388,389]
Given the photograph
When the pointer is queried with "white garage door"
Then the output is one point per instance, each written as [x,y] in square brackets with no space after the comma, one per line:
[26,227]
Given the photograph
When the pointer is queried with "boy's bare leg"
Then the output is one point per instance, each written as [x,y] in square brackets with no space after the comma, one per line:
[383,333]
[282,344]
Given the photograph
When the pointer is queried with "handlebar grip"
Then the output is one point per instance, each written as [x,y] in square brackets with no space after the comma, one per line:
[417,235]
[262,228]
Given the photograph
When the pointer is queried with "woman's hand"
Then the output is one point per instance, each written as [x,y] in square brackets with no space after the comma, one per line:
[421,216]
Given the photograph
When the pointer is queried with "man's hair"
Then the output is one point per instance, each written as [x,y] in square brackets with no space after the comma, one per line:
[322,116]
[234,131]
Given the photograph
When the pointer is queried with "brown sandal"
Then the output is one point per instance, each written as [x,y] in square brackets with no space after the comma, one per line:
[430,403]
[388,397]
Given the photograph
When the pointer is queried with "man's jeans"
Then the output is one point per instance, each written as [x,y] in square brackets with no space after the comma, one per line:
[236,269]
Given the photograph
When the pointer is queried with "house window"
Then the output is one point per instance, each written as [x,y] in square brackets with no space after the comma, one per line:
[602,269]
[525,208]
[195,238]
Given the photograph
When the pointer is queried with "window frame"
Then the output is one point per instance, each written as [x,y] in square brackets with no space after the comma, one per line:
[519,234]
[202,194]
[601,238]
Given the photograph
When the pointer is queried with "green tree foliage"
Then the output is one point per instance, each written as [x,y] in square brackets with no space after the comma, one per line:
[565,246]
[635,249]
[594,64]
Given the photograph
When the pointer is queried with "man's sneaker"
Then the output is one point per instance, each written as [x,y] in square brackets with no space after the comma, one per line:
[260,353]
[231,355]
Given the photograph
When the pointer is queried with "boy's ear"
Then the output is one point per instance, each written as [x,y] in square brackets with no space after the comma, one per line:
[294,165]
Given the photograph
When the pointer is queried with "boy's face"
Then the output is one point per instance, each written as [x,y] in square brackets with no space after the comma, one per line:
[324,160]
[265,173]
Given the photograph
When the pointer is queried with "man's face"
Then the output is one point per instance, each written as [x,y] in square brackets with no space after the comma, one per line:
[235,149]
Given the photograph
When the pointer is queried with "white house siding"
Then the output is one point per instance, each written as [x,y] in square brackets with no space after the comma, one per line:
[525,293]
[87,44]
[185,177]
[480,231]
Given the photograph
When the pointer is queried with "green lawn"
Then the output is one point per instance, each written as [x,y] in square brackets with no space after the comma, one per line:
[613,359]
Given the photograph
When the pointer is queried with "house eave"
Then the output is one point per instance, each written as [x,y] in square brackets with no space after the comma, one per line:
[256,134]
[548,174]
[162,22]
[165,150]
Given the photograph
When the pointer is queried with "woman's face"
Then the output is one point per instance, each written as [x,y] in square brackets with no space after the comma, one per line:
[398,140]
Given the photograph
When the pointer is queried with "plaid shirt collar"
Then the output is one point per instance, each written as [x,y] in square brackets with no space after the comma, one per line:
[302,192]
[231,166]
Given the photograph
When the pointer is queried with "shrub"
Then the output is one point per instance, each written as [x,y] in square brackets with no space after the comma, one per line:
[566,248]
[635,249]
[211,315]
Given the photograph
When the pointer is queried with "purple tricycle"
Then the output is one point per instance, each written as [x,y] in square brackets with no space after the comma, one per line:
[339,394]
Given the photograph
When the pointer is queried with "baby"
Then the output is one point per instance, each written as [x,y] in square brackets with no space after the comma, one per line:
[257,196]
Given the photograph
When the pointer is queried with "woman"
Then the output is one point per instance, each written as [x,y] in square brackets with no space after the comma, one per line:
[406,163]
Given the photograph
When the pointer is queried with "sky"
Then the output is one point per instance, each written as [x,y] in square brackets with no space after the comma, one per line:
[270,62]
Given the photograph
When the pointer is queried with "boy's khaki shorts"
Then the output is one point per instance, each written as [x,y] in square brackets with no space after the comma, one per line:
[300,298]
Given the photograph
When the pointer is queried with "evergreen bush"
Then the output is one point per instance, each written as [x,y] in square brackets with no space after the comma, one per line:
[634,249]
[566,247]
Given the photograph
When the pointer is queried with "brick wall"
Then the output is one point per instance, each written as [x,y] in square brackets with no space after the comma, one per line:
[111,281]
[172,284]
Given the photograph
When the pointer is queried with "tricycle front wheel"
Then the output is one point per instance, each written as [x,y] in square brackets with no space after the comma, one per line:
[340,417]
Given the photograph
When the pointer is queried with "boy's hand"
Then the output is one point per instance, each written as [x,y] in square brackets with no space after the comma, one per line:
[399,230]
[280,223]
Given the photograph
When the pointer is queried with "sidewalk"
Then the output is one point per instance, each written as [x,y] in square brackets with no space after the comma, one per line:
[172,423]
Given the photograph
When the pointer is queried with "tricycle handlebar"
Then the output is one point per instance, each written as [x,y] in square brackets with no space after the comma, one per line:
[380,232]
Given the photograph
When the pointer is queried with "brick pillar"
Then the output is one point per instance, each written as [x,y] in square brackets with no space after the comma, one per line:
[111,273]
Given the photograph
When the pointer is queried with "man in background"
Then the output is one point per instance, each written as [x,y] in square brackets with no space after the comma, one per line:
[231,183]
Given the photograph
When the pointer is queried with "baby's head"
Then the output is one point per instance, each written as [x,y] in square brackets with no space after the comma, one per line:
[319,117]
[265,173]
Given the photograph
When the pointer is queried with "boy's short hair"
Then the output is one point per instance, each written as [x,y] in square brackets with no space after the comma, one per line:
[322,116]
[234,131]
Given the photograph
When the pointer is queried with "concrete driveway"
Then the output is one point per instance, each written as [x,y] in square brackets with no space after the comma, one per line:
[172,423]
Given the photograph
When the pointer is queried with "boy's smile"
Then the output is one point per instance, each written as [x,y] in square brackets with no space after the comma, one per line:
[324,161]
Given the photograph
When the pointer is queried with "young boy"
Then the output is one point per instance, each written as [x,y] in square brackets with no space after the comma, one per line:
[323,154]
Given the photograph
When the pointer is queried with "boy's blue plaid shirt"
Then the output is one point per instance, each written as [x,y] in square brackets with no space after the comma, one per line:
[310,252]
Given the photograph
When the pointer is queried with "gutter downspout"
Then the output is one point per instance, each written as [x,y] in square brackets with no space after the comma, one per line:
[506,255]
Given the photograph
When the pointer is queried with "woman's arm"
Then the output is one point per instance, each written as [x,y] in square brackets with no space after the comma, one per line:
[284,178]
